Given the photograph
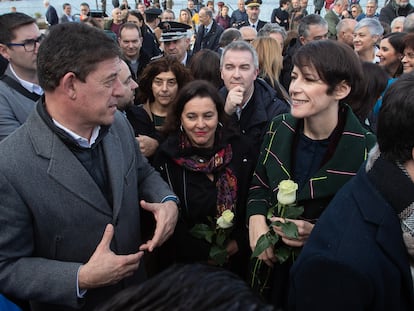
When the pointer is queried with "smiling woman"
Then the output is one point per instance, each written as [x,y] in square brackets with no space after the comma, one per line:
[208,166]
[309,146]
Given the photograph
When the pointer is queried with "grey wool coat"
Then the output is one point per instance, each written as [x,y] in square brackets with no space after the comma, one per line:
[53,214]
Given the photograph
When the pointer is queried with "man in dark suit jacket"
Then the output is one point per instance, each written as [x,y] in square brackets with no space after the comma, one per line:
[209,32]
[67,14]
[51,14]
[72,180]
[360,252]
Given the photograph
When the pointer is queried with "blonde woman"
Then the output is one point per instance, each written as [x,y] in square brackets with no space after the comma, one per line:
[356,10]
[185,18]
[270,64]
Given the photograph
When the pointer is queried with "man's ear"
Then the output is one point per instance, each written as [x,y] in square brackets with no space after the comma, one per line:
[4,51]
[342,90]
[68,82]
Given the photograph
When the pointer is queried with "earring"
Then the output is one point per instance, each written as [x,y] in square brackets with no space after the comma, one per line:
[181,128]
[220,124]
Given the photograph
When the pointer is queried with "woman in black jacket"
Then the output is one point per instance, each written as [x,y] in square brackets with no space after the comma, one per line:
[209,167]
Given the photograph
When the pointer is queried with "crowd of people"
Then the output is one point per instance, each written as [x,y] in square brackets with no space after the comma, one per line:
[142,157]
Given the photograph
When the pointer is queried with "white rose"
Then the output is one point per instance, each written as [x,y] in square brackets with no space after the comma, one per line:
[226,219]
[287,192]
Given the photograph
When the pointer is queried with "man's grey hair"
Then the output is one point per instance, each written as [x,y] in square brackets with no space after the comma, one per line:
[409,23]
[168,11]
[373,1]
[207,11]
[344,24]
[270,28]
[374,26]
[240,45]
[311,19]
[340,2]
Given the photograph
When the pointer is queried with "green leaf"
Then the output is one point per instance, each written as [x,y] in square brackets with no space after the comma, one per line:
[202,231]
[292,211]
[221,237]
[270,212]
[265,241]
[272,237]
[283,253]
[218,254]
[290,229]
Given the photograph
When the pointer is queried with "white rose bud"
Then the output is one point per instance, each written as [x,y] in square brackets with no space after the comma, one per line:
[226,219]
[287,192]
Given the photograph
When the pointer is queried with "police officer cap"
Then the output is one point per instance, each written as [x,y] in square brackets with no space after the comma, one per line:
[172,31]
[153,11]
[253,3]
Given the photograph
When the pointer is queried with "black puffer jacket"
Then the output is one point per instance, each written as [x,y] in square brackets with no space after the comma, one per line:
[198,199]
[263,106]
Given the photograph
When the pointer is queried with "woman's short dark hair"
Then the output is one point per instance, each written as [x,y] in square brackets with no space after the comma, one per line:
[334,62]
[374,83]
[196,88]
[211,72]
[189,287]
[395,129]
[154,68]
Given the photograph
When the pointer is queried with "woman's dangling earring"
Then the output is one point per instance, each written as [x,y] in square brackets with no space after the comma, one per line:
[220,124]
[181,128]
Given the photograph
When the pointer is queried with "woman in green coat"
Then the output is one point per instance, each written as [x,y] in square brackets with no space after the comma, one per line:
[320,145]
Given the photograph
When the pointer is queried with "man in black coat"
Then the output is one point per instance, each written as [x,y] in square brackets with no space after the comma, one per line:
[209,32]
[250,102]
[130,42]
[394,9]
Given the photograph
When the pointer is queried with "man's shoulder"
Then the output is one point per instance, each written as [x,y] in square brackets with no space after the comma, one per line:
[331,15]
[217,26]
[263,89]
[266,96]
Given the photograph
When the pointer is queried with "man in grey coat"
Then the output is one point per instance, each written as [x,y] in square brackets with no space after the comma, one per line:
[19,87]
[72,180]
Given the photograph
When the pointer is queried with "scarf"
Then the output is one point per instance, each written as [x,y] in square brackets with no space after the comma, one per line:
[217,164]
[396,186]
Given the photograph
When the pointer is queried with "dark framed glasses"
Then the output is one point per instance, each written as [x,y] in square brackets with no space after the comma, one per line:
[29,44]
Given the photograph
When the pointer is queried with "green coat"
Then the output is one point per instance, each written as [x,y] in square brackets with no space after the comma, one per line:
[274,165]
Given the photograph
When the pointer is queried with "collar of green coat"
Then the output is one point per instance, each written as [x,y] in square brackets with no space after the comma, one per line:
[350,152]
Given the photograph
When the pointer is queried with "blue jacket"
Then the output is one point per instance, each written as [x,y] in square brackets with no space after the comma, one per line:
[355,258]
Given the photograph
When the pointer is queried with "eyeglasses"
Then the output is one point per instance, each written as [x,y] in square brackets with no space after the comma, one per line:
[29,44]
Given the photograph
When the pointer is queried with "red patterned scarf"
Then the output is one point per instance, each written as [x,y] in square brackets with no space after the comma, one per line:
[226,182]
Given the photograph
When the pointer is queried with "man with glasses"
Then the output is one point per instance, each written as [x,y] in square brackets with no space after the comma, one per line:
[19,88]
[370,10]
[248,33]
